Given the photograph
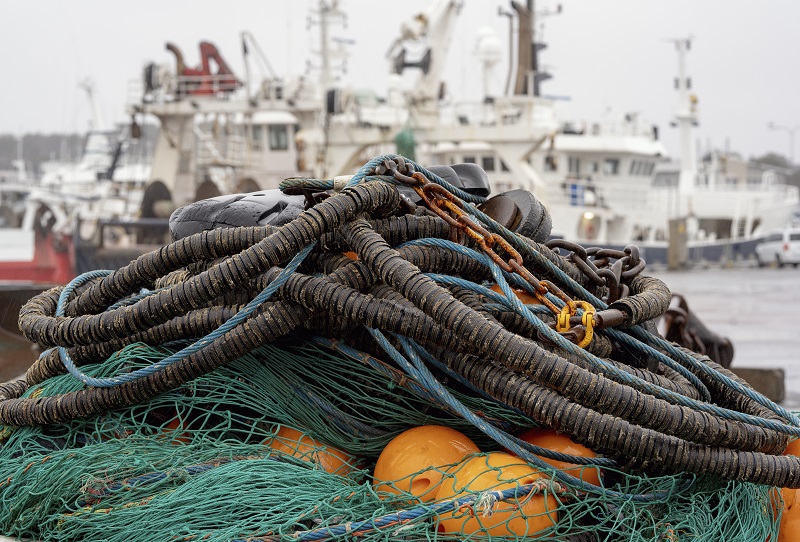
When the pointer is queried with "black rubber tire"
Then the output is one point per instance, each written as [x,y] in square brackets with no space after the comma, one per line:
[267,207]
[531,219]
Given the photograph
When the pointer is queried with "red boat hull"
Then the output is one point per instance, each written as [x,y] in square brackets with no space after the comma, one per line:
[53,262]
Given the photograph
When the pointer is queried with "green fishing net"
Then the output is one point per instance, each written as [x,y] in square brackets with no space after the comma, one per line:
[211,461]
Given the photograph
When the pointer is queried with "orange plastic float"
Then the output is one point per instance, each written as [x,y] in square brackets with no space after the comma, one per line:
[426,447]
[295,443]
[528,516]
[790,519]
[177,428]
[548,438]
[793,448]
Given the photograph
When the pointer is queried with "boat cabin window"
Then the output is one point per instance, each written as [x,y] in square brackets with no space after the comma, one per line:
[641,167]
[550,163]
[503,166]
[278,137]
[594,167]
[487,162]
[574,165]
[257,137]
[469,159]
[611,166]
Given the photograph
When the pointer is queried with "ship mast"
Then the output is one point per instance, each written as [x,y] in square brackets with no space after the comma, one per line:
[685,119]
[98,123]
[529,74]
[325,15]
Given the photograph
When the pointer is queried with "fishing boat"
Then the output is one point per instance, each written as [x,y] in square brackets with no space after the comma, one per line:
[46,217]
[605,183]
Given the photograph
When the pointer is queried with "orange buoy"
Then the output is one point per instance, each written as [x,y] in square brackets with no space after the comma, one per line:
[790,519]
[793,448]
[297,444]
[177,428]
[548,438]
[413,461]
[526,516]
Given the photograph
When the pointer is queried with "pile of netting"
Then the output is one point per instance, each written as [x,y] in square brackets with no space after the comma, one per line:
[242,383]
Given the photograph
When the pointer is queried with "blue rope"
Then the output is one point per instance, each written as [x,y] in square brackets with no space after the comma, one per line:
[464,381]
[513,302]
[241,316]
[80,280]
[401,517]
[610,370]
[363,173]
[684,359]
[409,384]
[417,369]
[500,307]
[135,298]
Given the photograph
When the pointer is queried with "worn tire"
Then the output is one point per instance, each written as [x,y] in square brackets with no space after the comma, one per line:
[520,211]
[267,207]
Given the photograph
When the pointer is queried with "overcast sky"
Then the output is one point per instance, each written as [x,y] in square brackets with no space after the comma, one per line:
[608,56]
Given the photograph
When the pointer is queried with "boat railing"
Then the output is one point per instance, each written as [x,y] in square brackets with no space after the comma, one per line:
[777,189]
[175,88]
[500,111]
[625,127]
[230,150]
[584,192]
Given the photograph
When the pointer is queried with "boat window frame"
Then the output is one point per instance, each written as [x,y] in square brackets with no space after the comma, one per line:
[576,162]
[611,166]
[257,137]
[278,137]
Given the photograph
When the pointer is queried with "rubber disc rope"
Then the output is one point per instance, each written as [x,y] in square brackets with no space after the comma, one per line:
[408,330]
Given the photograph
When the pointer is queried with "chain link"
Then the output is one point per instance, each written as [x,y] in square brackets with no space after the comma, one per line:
[607,267]
[452,210]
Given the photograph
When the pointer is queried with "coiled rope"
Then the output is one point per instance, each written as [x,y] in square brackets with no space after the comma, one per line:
[696,417]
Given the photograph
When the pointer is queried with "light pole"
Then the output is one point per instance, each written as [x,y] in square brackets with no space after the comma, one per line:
[789,130]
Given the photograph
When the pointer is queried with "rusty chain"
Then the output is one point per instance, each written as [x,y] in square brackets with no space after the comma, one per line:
[607,267]
[452,210]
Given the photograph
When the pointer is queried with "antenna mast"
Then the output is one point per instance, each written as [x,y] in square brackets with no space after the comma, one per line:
[685,119]
[98,123]
[324,17]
